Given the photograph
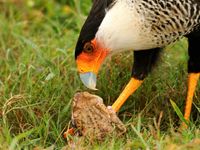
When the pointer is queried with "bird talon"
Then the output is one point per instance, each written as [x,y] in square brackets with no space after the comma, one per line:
[111,109]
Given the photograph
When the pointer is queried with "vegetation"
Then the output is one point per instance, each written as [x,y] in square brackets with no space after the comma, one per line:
[38,79]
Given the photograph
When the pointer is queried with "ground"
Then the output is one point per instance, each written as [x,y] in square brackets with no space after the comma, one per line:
[38,79]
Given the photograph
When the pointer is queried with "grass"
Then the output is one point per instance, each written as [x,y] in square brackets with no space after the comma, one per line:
[38,79]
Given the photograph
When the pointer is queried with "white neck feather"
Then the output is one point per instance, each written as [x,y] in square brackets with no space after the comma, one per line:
[122,29]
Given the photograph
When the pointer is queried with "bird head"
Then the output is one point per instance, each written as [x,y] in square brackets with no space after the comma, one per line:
[89,62]
[89,52]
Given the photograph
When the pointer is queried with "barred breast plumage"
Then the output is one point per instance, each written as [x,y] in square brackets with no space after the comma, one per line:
[145,24]
[169,19]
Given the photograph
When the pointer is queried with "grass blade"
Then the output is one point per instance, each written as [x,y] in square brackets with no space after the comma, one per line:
[17,138]
[178,112]
[140,137]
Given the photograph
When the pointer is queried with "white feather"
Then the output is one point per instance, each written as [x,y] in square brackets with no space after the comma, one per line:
[123,29]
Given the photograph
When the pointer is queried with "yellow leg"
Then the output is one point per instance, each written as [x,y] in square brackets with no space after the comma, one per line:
[130,88]
[192,83]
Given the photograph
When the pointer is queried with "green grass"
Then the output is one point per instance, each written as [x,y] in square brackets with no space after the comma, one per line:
[38,79]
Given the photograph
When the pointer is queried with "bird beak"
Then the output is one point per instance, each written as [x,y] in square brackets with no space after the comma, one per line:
[89,80]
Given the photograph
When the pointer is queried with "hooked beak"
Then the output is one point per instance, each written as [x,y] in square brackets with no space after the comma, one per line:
[89,80]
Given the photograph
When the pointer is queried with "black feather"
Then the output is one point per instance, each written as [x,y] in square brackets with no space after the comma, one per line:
[92,23]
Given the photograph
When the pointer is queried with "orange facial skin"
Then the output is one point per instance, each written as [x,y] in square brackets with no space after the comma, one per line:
[91,61]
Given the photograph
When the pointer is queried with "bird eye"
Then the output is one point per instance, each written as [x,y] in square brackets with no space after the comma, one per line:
[88,47]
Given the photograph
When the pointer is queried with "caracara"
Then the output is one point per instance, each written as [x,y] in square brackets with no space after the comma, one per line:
[144,27]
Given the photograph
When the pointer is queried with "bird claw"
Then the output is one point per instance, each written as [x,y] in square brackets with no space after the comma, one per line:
[111,109]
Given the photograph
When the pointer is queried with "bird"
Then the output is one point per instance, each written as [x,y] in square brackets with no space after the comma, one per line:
[144,27]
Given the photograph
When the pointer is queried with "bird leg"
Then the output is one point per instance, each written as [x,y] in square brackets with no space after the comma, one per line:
[192,83]
[142,65]
[130,88]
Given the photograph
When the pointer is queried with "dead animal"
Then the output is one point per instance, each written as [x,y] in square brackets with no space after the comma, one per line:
[92,119]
